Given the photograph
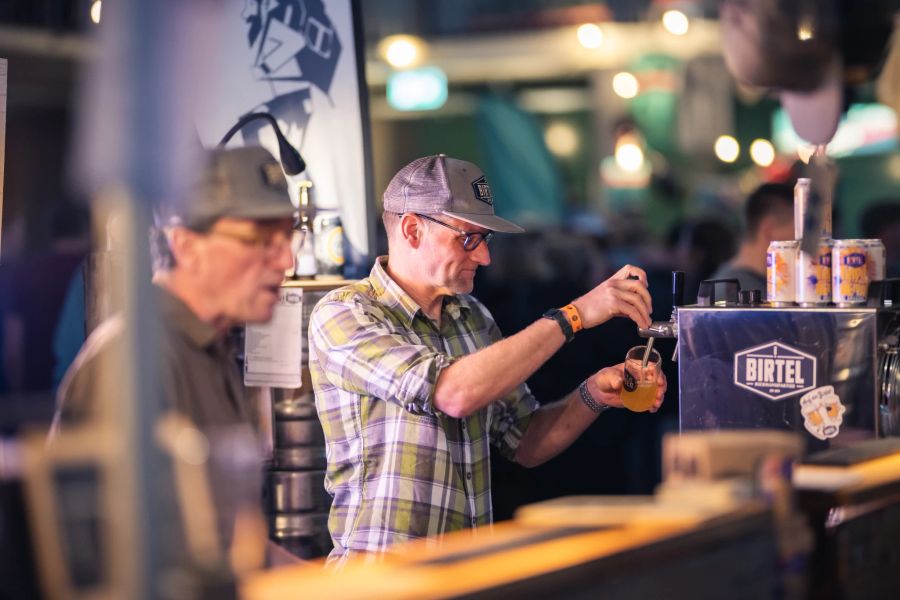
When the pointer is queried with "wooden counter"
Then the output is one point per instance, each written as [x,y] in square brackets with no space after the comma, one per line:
[857,535]
[728,556]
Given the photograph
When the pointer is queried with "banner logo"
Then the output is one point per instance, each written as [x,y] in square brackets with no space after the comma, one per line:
[774,370]
[293,46]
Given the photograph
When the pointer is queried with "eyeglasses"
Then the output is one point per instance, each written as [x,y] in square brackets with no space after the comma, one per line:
[270,240]
[471,239]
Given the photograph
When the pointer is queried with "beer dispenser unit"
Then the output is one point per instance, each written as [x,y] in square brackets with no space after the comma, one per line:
[829,373]
[819,356]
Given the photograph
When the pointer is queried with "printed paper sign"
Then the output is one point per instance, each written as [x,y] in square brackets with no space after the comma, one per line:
[273,351]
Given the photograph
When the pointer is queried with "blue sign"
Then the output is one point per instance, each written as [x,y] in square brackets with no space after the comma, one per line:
[774,370]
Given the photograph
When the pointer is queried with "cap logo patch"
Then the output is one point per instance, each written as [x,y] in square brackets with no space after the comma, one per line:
[272,175]
[483,191]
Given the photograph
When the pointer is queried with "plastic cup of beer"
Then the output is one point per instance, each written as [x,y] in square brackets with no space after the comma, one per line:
[639,387]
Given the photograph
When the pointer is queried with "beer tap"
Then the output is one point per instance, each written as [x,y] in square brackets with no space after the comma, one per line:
[668,329]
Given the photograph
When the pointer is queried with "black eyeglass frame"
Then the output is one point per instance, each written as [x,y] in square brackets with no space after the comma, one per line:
[469,236]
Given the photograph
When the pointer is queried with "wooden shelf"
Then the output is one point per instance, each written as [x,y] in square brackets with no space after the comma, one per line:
[316,284]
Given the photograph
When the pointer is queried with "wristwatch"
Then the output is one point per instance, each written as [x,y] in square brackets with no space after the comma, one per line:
[568,319]
[557,314]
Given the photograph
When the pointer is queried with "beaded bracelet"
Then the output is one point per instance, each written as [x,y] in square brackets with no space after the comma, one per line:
[597,407]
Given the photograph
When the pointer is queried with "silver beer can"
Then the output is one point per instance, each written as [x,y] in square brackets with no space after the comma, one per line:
[329,244]
[875,259]
[802,193]
[814,275]
[781,272]
[849,272]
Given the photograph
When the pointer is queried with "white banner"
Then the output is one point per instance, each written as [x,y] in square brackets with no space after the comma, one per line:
[298,60]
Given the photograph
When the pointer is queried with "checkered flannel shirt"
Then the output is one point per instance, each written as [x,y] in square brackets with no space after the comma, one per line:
[398,468]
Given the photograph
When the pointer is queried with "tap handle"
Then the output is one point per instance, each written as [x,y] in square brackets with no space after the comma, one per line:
[706,294]
[677,288]
[884,292]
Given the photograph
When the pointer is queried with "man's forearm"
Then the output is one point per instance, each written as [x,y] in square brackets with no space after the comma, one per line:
[478,379]
[553,428]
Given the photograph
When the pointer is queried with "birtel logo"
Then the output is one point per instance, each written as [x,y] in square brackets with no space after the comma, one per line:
[774,370]
[483,190]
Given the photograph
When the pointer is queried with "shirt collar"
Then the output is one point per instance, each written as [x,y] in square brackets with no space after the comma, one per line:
[174,311]
[393,295]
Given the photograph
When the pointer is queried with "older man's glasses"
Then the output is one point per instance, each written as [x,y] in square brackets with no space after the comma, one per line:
[471,239]
[271,240]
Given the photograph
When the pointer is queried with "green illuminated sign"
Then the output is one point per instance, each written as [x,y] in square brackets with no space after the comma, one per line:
[417,89]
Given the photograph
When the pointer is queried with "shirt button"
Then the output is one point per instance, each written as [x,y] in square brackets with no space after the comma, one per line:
[469,475]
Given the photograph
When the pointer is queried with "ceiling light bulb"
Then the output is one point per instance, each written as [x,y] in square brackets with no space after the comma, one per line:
[625,85]
[676,22]
[402,51]
[561,139]
[762,152]
[590,35]
[629,157]
[96,8]
[727,149]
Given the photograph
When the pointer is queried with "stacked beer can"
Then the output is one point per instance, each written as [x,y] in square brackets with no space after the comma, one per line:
[839,271]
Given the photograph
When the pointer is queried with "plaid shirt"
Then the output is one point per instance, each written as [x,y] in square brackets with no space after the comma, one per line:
[398,468]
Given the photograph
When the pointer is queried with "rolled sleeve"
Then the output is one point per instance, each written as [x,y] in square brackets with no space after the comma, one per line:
[359,353]
[510,418]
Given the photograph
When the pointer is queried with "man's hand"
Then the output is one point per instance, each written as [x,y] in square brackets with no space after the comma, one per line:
[618,296]
[606,386]
[555,426]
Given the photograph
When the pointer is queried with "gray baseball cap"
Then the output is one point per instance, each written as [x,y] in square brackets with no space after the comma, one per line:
[440,185]
[244,183]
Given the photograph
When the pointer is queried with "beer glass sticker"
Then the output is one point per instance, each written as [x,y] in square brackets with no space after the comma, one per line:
[822,412]
[774,370]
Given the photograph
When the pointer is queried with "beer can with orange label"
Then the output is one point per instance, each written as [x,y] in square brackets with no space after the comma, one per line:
[781,268]
[875,259]
[814,275]
[849,272]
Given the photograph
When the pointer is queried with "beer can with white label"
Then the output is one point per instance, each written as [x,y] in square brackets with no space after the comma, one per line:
[781,269]
[849,272]
[329,244]
[814,275]
[875,259]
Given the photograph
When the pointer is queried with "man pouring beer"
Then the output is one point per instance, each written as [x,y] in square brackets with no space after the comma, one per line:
[414,381]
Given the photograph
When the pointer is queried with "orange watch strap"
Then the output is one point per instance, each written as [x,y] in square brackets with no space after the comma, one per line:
[573,317]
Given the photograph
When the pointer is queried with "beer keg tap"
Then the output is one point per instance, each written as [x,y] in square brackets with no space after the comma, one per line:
[668,329]
[305,259]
